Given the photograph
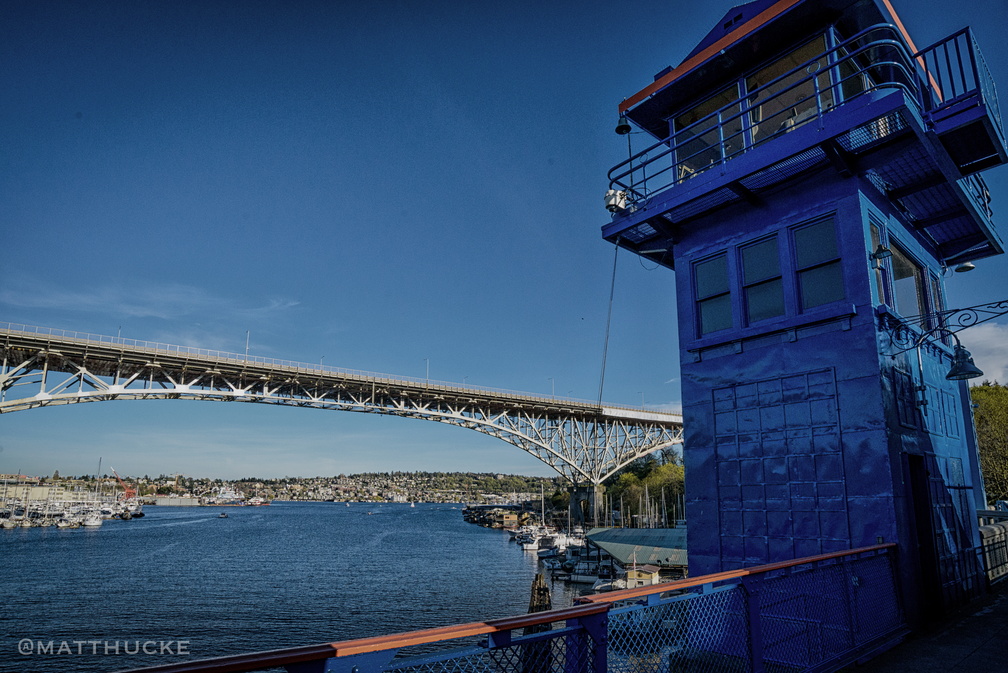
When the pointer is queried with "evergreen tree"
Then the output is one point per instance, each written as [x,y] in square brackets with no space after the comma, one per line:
[991,416]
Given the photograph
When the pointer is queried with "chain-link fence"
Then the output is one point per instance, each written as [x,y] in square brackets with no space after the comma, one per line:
[811,614]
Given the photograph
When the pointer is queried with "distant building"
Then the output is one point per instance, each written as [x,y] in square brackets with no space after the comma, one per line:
[664,548]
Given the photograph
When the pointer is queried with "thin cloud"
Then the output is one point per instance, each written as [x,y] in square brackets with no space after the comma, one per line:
[988,343]
[169,301]
[667,407]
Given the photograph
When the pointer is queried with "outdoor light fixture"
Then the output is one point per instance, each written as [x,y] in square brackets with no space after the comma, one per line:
[623,126]
[964,267]
[615,200]
[962,365]
[912,332]
[880,254]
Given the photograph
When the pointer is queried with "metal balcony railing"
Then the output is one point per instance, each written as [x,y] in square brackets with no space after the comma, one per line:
[875,60]
[815,613]
[156,349]
[954,70]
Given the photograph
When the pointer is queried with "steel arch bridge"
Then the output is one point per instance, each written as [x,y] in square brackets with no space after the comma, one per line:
[583,441]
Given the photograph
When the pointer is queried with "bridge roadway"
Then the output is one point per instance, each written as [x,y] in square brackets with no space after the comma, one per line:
[583,441]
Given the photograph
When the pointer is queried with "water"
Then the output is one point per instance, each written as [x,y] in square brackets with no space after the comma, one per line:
[265,577]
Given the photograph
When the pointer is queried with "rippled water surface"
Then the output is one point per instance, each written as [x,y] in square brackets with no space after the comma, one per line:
[263,578]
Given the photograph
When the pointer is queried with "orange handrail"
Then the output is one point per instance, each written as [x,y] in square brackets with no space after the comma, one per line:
[256,661]
[588,606]
[637,592]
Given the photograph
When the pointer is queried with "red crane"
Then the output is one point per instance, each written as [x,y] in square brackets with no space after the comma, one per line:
[128,491]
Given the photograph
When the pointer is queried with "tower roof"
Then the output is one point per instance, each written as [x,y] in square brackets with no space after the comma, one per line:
[727,49]
[733,18]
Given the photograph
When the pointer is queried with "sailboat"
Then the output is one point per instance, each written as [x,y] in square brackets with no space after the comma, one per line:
[93,517]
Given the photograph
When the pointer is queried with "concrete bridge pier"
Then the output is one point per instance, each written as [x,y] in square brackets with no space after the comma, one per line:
[585,502]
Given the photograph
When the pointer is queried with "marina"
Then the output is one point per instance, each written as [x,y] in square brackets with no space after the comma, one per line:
[24,504]
[283,575]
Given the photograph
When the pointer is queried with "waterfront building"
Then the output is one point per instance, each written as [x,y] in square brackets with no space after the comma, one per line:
[664,548]
[814,179]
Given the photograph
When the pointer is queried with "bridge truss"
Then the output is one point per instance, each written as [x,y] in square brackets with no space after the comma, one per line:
[582,441]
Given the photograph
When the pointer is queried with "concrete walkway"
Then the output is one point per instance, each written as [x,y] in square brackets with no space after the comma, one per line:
[975,641]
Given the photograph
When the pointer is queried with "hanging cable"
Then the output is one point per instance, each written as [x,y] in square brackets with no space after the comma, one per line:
[605,346]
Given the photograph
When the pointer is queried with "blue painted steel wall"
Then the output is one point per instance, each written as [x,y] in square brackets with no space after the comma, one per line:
[796,427]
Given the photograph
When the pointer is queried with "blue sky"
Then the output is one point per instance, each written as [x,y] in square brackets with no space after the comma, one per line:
[377,184]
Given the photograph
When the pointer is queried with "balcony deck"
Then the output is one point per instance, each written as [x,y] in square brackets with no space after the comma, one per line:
[919,135]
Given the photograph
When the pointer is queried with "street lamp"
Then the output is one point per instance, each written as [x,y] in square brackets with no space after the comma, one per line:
[904,332]
[962,367]
[552,386]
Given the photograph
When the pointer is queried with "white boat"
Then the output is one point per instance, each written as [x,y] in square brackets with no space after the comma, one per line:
[92,520]
[530,544]
[610,585]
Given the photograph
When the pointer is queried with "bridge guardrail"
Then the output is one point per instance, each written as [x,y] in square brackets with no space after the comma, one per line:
[225,357]
[815,613]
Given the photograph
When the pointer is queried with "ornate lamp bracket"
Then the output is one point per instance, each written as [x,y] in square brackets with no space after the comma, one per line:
[913,331]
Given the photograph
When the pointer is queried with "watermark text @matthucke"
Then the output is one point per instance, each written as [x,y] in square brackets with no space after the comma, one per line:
[51,647]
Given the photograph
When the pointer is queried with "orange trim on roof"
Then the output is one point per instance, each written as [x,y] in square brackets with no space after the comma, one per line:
[913,47]
[736,35]
[899,24]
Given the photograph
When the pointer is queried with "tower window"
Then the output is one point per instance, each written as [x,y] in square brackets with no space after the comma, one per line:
[713,294]
[701,144]
[880,284]
[789,102]
[761,279]
[820,276]
[908,284]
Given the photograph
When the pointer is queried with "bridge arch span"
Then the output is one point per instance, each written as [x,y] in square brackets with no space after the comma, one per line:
[582,441]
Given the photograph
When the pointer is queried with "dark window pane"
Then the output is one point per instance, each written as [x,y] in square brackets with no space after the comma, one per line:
[712,277]
[853,83]
[908,285]
[760,261]
[790,102]
[765,300]
[876,240]
[699,145]
[821,285]
[715,314]
[815,244]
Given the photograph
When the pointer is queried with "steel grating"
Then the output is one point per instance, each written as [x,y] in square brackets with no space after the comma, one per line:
[720,197]
[641,232]
[866,136]
[783,170]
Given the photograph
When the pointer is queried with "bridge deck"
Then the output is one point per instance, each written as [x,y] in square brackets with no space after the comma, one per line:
[583,440]
[108,355]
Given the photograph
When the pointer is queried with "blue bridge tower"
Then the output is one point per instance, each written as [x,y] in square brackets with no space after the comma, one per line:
[814,176]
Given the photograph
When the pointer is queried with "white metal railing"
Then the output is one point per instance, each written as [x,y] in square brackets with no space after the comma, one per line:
[876,59]
[225,357]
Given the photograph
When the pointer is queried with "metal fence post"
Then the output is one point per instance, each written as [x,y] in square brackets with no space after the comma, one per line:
[588,644]
[751,586]
[369,662]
